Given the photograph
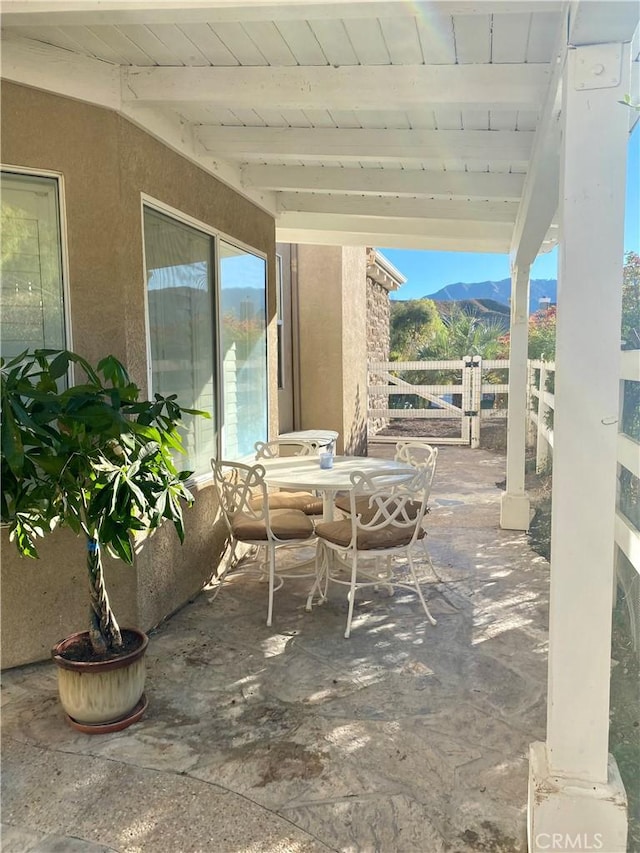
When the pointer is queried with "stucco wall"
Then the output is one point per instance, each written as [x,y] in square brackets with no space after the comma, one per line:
[332,312]
[106,163]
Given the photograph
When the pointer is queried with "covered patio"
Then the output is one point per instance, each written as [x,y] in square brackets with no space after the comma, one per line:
[406,737]
[451,125]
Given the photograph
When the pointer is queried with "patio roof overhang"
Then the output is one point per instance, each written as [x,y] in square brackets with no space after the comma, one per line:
[448,125]
[428,125]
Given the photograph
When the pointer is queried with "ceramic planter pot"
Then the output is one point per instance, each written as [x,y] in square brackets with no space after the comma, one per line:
[100,696]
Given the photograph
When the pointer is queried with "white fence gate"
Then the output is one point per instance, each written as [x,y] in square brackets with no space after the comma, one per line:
[457,394]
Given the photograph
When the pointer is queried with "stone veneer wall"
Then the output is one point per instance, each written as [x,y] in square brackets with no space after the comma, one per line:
[378,338]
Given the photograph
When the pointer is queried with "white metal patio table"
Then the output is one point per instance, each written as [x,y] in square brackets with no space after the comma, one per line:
[324,438]
[304,472]
[295,472]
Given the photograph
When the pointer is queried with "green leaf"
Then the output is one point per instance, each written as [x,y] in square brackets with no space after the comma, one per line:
[114,371]
[12,447]
[59,366]
[121,544]
[149,432]
[197,413]
[137,493]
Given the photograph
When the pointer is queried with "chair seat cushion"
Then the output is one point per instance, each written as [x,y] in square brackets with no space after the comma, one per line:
[391,536]
[285,524]
[304,501]
[363,509]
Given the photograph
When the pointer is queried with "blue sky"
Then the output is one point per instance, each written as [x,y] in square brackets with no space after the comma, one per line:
[427,272]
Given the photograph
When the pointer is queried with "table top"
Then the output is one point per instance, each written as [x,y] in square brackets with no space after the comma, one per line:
[296,472]
[322,436]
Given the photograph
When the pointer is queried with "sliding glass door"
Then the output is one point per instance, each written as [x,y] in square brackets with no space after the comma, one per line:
[208,335]
[181,326]
[243,310]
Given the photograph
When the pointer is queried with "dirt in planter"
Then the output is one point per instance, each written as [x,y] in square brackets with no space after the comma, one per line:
[81,650]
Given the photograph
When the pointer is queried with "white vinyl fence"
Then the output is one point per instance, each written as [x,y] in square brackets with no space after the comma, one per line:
[627,529]
[541,405]
[463,390]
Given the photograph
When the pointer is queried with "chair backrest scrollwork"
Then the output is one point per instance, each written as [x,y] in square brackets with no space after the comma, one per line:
[419,455]
[237,487]
[397,503]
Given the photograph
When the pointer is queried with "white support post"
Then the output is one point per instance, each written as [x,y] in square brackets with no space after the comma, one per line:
[514,507]
[542,445]
[574,787]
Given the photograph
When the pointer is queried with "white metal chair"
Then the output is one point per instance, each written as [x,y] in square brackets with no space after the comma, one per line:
[416,454]
[420,455]
[385,521]
[307,502]
[243,500]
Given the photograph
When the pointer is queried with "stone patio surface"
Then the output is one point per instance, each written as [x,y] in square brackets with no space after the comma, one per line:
[406,738]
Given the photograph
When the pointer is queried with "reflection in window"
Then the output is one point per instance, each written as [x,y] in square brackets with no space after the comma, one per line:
[181,327]
[31,270]
[244,344]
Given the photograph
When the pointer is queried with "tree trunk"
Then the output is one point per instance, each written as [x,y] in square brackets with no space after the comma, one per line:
[103,629]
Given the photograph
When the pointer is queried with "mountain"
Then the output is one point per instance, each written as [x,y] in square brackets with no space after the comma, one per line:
[499,291]
[487,309]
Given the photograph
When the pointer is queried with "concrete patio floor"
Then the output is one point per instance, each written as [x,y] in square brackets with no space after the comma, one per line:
[407,738]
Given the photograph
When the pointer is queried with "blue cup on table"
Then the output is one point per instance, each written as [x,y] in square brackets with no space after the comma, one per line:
[326,460]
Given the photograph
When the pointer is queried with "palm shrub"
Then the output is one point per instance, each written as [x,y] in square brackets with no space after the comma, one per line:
[91,456]
[465,334]
[462,334]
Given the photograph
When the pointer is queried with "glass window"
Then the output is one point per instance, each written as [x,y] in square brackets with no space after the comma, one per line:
[184,330]
[181,328]
[243,308]
[31,269]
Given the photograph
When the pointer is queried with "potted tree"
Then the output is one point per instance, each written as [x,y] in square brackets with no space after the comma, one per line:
[95,458]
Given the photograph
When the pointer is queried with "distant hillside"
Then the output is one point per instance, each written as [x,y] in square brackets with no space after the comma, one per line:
[487,309]
[499,291]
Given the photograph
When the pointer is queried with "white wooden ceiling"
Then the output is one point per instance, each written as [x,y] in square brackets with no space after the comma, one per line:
[367,122]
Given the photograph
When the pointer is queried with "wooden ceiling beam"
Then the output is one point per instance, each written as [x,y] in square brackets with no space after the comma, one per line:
[242,143]
[395,182]
[409,226]
[478,211]
[394,240]
[348,87]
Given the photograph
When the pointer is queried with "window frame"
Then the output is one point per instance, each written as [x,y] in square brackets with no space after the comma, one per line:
[64,245]
[216,235]
[280,324]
